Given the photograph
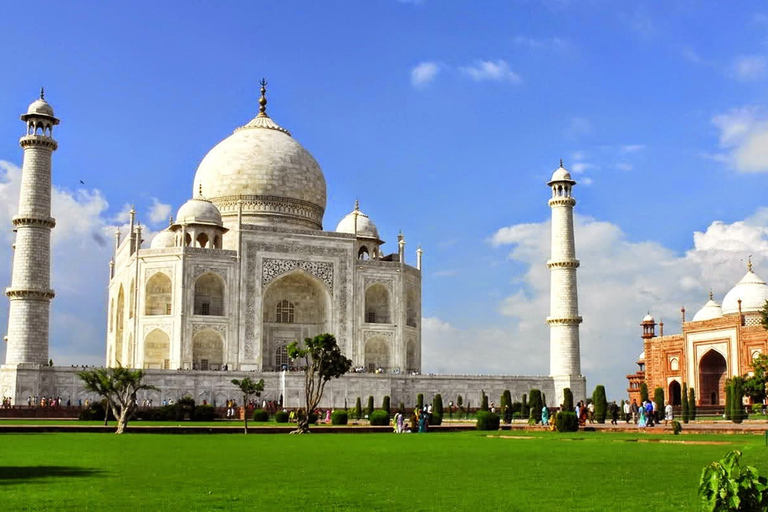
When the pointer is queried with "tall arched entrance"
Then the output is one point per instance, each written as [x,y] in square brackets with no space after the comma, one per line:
[674,394]
[712,372]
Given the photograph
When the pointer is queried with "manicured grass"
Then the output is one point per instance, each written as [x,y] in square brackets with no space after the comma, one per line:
[438,471]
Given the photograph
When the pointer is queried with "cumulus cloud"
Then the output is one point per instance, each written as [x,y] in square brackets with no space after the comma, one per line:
[486,70]
[158,212]
[744,138]
[424,73]
[749,67]
[554,43]
[81,244]
[632,148]
[619,281]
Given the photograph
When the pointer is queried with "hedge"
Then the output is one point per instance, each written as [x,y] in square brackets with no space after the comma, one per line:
[260,415]
[487,420]
[282,416]
[566,421]
[339,417]
[379,418]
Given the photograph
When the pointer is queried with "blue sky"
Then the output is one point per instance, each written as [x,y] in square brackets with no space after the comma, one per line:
[446,119]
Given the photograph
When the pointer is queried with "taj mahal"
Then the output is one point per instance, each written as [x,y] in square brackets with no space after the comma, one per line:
[246,267]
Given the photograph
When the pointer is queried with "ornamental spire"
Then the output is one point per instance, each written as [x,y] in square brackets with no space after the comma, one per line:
[749,263]
[263,98]
[561,162]
[42,93]
[711,295]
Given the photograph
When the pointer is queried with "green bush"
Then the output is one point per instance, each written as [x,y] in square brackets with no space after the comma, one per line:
[658,399]
[692,404]
[437,406]
[420,401]
[204,413]
[313,417]
[487,420]
[643,392]
[260,415]
[566,421]
[676,427]
[726,486]
[535,405]
[386,405]
[282,416]
[96,412]
[339,418]
[379,418]
[369,408]
[567,399]
[436,419]
[686,416]
[601,404]
[358,409]
[524,409]
[737,393]
[483,401]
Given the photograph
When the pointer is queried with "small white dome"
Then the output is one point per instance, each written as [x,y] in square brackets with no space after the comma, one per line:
[561,174]
[163,239]
[752,291]
[641,357]
[359,224]
[648,318]
[198,211]
[710,311]
[40,107]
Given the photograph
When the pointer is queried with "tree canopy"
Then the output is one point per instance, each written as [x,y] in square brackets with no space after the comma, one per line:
[324,361]
[248,388]
[119,387]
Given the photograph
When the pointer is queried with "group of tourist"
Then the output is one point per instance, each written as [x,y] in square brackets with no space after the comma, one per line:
[50,402]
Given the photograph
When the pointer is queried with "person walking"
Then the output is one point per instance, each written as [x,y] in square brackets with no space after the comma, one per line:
[668,413]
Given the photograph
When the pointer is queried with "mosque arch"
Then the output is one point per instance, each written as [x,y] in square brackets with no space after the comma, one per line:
[713,369]
[377,355]
[207,350]
[411,356]
[202,240]
[158,295]
[411,308]
[377,308]
[157,350]
[209,295]
[363,254]
[675,397]
[119,312]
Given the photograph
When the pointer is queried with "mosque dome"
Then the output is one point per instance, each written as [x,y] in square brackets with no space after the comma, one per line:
[752,291]
[40,107]
[561,174]
[265,173]
[710,311]
[648,318]
[163,239]
[199,211]
[359,224]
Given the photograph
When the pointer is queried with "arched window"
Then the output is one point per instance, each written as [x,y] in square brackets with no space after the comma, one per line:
[362,254]
[157,350]
[377,304]
[285,311]
[207,350]
[674,364]
[202,240]
[187,240]
[158,295]
[411,309]
[209,295]
[377,355]
[281,358]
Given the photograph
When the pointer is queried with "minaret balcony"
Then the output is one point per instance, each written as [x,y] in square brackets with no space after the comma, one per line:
[28,220]
[38,140]
[33,294]
[573,320]
[568,263]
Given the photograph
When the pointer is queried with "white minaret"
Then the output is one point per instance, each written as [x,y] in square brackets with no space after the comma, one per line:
[564,319]
[30,292]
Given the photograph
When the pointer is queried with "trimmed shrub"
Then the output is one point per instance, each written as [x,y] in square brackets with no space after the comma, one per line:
[737,393]
[728,396]
[643,392]
[566,421]
[204,413]
[686,412]
[487,420]
[401,407]
[380,418]
[692,403]
[339,418]
[601,404]
[420,401]
[260,415]
[484,401]
[369,408]
[385,405]
[524,409]
[437,406]
[506,406]
[676,427]
[436,419]
[358,409]
[658,399]
[535,405]
[567,399]
[282,416]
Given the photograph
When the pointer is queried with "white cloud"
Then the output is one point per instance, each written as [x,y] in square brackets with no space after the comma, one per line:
[497,71]
[619,281]
[578,127]
[554,43]
[632,148]
[424,73]
[749,67]
[623,166]
[159,212]
[580,167]
[744,137]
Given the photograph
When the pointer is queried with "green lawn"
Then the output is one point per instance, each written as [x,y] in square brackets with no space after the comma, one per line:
[438,471]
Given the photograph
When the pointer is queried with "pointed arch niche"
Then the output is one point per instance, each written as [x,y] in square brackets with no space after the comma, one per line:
[157,350]
[158,295]
[713,369]
[207,350]
[377,355]
[209,295]
[377,308]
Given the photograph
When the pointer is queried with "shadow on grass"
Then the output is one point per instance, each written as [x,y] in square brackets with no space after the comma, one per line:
[18,474]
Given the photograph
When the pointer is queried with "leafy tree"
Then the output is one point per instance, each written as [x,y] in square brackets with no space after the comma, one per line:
[119,387]
[726,486]
[460,403]
[249,389]
[692,403]
[324,362]
[686,410]
[386,405]
[601,403]
[535,405]
[658,398]
[754,386]
[643,392]
[567,399]
[369,408]
[358,409]
[728,399]
[484,401]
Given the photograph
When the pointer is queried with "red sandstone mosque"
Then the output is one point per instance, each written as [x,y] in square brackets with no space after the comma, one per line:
[719,342]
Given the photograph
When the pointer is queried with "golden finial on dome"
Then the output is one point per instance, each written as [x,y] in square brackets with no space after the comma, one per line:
[170,221]
[263,99]
[749,263]
[200,189]
[357,205]
[42,93]
[711,296]
[561,162]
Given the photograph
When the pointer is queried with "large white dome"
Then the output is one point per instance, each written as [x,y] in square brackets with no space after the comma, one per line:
[359,224]
[266,172]
[752,291]
[710,311]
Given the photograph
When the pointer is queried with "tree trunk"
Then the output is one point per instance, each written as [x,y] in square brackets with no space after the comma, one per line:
[303,426]
[107,406]
[122,421]
[245,419]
